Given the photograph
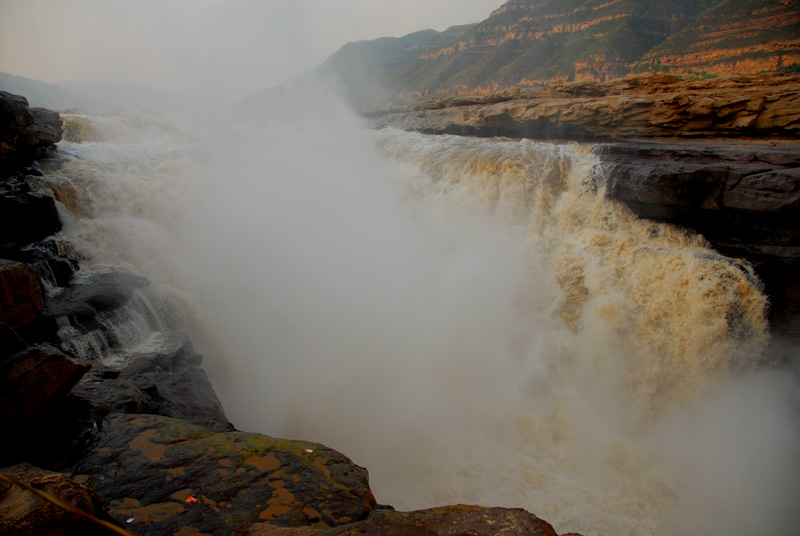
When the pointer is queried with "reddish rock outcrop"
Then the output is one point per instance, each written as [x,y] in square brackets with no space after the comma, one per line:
[20,294]
[22,513]
[32,379]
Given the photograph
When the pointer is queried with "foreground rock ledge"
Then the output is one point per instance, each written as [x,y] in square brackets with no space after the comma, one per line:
[459,520]
[146,467]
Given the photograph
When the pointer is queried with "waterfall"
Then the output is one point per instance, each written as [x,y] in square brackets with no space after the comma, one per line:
[470,319]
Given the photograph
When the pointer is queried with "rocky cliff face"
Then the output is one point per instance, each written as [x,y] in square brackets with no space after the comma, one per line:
[532,43]
[529,42]
[733,36]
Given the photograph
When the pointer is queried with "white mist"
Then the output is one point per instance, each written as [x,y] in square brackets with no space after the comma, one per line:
[466,318]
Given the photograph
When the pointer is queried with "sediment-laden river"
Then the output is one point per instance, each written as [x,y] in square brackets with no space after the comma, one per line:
[470,319]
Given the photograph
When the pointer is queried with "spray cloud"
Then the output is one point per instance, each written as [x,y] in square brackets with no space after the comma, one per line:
[466,318]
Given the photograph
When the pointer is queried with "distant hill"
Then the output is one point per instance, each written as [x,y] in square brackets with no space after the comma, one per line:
[360,69]
[96,95]
[534,42]
[363,66]
[41,93]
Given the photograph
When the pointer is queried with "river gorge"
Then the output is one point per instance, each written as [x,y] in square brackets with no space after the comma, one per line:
[474,320]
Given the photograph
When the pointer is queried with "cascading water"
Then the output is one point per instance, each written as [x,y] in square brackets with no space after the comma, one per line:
[130,318]
[470,319]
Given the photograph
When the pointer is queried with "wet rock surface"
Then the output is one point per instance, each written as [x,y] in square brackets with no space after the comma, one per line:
[83,306]
[180,392]
[169,475]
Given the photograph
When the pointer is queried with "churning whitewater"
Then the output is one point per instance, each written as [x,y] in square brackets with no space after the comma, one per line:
[470,319]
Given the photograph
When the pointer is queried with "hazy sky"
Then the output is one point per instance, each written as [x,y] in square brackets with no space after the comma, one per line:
[204,46]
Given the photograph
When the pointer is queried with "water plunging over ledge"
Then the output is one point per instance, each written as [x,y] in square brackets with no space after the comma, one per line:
[470,319]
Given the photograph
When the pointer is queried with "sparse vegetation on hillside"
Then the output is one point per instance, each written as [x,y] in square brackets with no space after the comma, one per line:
[530,42]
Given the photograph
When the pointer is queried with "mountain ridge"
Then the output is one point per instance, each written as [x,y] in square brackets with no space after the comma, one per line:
[526,43]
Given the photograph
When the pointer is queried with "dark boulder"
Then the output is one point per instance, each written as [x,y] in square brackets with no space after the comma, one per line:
[96,292]
[27,218]
[716,183]
[59,434]
[35,377]
[776,191]
[57,271]
[10,342]
[14,118]
[171,385]
[169,476]
[26,134]
[46,130]
[21,297]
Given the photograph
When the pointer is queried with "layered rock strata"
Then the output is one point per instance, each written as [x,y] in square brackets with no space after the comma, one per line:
[650,106]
